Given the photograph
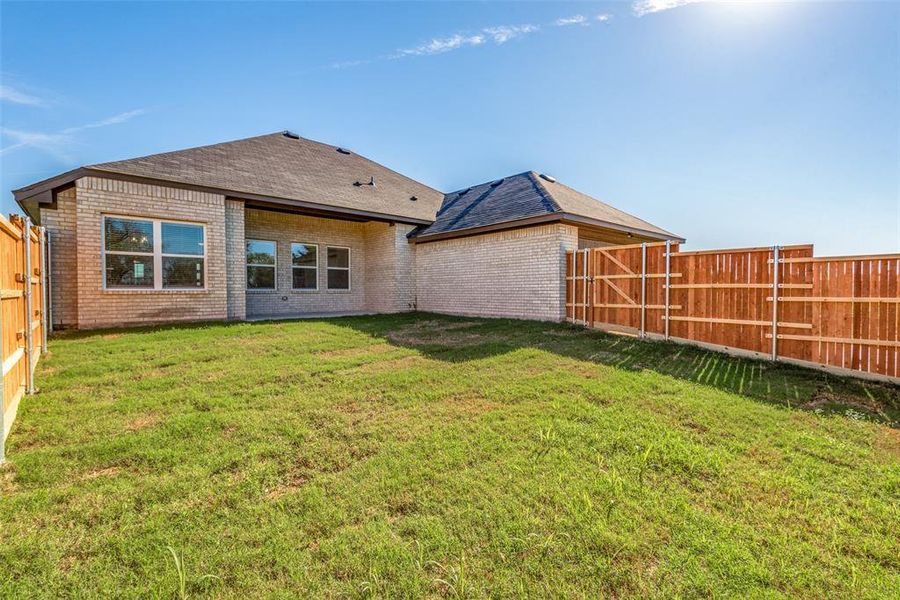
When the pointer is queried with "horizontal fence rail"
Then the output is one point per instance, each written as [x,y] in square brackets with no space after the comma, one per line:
[23,319]
[841,313]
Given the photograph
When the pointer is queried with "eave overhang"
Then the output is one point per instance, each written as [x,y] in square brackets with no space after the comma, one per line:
[558,217]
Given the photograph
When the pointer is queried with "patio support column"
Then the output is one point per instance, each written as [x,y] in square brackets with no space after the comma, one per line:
[235,260]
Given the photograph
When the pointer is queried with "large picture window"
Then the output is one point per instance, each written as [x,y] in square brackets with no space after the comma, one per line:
[153,254]
[305,266]
[338,268]
[261,262]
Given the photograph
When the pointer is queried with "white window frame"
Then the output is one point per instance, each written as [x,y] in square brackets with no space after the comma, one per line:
[293,266]
[347,268]
[157,255]
[274,267]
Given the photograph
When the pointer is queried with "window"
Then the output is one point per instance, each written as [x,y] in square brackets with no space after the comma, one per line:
[305,266]
[260,265]
[338,268]
[153,254]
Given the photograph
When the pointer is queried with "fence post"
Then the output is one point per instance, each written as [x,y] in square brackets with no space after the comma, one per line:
[2,407]
[45,294]
[29,332]
[668,249]
[574,262]
[48,261]
[643,289]
[776,265]
[584,284]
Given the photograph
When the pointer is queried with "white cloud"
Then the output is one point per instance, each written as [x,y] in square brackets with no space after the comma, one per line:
[646,7]
[351,63]
[56,143]
[52,143]
[573,20]
[9,94]
[604,17]
[504,33]
[499,35]
[441,45]
[113,120]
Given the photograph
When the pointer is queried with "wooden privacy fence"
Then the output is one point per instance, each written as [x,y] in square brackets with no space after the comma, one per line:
[841,313]
[23,320]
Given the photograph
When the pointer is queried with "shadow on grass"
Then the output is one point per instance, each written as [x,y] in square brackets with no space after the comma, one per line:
[461,339]
[457,339]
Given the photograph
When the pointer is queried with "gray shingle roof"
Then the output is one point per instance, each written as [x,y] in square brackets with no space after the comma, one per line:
[294,169]
[315,176]
[524,196]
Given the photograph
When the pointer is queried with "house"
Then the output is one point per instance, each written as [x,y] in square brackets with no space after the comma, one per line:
[279,225]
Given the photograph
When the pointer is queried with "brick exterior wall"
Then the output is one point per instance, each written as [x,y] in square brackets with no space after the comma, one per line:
[381,265]
[518,273]
[405,276]
[235,260]
[390,268]
[285,229]
[62,228]
[380,260]
[77,262]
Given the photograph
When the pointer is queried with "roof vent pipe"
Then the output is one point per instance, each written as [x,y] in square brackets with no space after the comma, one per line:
[343,151]
[290,134]
[549,178]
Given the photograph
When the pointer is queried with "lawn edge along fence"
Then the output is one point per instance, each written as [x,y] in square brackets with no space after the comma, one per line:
[23,319]
[837,313]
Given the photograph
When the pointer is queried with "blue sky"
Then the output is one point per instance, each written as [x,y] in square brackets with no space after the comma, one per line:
[730,124]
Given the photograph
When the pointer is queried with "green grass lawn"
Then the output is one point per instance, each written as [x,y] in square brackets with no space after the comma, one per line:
[418,455]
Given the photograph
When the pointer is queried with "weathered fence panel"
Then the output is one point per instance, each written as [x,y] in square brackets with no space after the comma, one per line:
[836,312]
[22,315]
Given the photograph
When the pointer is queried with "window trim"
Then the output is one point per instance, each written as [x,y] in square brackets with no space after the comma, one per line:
[274,267]
[157,255]
[293,266]
[349,287]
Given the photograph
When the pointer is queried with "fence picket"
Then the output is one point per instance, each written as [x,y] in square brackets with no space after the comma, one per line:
[23,314]
[841,313]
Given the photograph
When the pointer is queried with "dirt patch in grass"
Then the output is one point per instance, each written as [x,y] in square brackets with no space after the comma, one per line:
[564,333]
[292,484]
[142,422]
[824,400]
[357,351]
[887,443]
[105,472]
[385,366]
[433,332]
[7,479]
[468,405]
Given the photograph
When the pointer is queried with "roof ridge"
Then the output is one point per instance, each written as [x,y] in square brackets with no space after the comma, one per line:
[471,206]
[543,191]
